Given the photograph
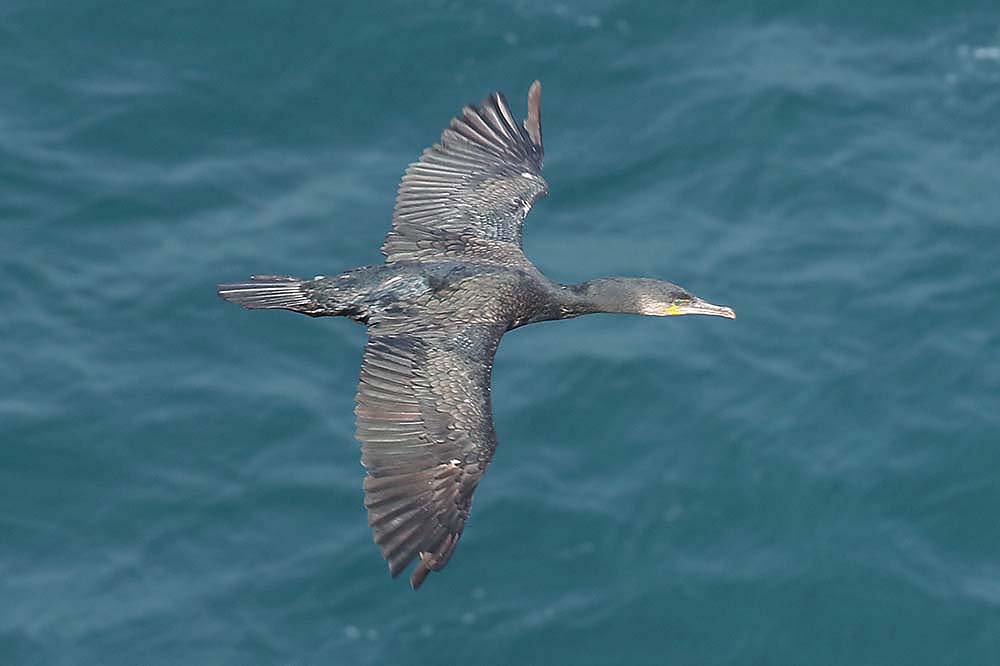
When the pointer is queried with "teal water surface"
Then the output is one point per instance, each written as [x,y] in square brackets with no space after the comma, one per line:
[815,483]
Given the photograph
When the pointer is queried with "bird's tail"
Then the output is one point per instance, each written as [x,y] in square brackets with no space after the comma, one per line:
[275,292]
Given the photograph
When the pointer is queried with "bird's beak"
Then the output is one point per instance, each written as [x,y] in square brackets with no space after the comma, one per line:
[700,307]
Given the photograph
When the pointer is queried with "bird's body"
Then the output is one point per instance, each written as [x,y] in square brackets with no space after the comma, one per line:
[455,280]
[438,292]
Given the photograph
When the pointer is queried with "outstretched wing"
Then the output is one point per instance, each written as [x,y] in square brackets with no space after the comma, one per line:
[474,188]
[426,427]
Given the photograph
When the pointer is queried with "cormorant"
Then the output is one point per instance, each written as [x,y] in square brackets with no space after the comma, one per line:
[454,281]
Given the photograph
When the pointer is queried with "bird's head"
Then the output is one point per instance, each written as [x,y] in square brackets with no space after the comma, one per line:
[662,299]
[646,296]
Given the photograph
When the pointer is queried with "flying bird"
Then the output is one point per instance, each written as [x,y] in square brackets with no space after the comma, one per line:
[455,279]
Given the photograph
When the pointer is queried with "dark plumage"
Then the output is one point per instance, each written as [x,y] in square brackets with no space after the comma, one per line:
[455,280]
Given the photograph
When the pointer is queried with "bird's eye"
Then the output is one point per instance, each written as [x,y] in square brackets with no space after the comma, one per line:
[678,302]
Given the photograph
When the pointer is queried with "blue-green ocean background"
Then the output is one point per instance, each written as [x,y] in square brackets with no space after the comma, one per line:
[817,482]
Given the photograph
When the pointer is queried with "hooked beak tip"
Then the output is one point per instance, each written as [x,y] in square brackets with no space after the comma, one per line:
[705,308]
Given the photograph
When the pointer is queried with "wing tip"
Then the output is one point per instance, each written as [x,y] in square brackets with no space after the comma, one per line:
[533,123]
[419,575]
[496,100]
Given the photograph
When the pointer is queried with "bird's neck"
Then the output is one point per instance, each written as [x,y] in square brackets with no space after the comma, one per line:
[566,301]
[603,295]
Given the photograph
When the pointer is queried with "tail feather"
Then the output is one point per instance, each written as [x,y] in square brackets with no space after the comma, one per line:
[276,292]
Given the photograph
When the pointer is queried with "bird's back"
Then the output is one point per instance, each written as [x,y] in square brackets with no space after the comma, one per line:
[409,296]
